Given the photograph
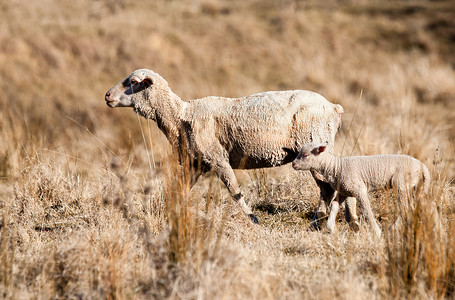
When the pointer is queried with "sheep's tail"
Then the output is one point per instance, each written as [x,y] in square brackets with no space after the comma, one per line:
[339,109]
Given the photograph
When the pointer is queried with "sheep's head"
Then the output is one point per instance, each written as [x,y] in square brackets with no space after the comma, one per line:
[134,89]
[308,156]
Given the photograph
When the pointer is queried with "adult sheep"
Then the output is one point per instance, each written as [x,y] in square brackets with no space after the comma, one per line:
[221,134]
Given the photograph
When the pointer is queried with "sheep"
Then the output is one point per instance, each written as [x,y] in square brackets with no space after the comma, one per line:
[355,176]
[221,134]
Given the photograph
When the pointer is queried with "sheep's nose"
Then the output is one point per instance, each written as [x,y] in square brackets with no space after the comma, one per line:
[106,97]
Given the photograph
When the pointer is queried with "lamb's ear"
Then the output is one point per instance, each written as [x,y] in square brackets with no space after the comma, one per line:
[319,149]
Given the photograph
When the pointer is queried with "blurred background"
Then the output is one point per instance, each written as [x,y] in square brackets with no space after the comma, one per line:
[85,208]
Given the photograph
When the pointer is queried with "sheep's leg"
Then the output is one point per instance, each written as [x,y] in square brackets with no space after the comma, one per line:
[350,214]
[362,196]
[227,176]
[318,215]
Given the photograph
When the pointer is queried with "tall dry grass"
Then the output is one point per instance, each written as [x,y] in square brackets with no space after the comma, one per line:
[94,205]
[420,252]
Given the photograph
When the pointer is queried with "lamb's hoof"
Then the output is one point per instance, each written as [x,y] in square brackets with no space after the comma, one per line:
[253,218]
[354,226]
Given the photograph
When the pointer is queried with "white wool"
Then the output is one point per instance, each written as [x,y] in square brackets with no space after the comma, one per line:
[355,176]
[261,130]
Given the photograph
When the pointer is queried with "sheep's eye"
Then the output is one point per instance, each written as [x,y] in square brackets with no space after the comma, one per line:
[134,81]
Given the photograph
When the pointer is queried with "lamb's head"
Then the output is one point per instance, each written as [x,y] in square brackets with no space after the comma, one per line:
[309,156]
[140,87]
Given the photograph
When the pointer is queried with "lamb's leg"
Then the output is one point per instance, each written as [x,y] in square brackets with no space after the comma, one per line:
[403,204]
[350,214]
[362,196]
[332,217]
[327,194]
[227,176]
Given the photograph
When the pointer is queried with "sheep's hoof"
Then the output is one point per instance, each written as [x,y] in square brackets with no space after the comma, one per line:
[320,215]
[253,218]
[314,226]
[354,226]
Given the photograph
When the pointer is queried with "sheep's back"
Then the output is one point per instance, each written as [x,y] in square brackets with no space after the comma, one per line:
[266,128]
[268,112]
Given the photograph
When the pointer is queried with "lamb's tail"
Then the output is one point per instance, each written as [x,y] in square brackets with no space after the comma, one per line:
[426,179]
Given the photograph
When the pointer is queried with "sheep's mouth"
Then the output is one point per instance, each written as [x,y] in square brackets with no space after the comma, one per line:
[111,103]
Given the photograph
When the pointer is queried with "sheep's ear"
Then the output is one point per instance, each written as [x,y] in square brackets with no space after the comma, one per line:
[133,81]
[147,81]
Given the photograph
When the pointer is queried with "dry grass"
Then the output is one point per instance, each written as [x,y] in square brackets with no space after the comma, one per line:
[93,205]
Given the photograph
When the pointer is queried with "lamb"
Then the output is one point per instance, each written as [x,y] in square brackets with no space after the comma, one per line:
[355,176]
[221,134]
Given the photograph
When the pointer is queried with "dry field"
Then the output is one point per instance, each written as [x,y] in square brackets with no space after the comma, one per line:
[91,203]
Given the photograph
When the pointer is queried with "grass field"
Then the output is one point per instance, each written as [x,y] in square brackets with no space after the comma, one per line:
[91,203]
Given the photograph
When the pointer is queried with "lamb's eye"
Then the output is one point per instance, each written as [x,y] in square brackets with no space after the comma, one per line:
[134,81]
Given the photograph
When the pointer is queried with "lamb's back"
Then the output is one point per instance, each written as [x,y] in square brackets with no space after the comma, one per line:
[378,171]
